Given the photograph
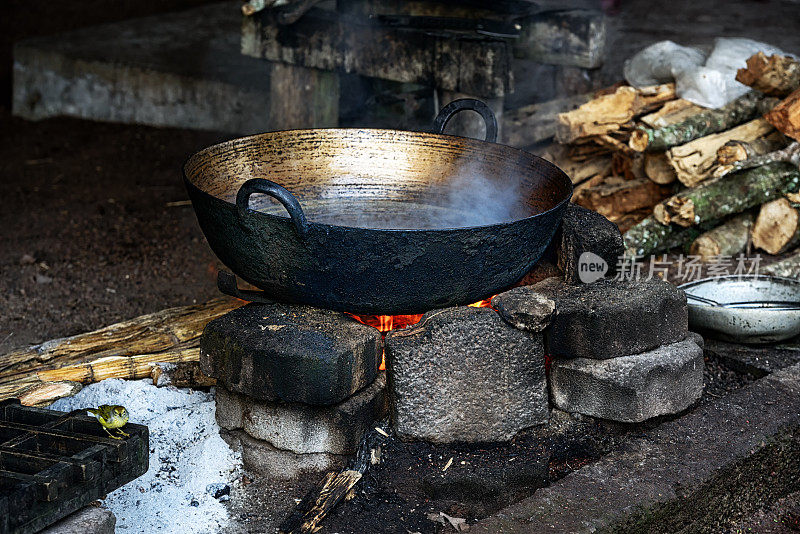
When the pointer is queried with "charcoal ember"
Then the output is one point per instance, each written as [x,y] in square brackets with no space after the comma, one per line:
[584,230]
[633,388]
[463,374]
[291,353]
[611,318]
[525,308]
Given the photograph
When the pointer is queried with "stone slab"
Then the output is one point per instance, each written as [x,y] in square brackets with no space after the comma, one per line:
[695,474]
[301,428]
[630,389]
[609,318]
[584,230]
[87,520]
[525,308]
[757,360]
[263,459]
[463,374]
[182,69]
[291,353]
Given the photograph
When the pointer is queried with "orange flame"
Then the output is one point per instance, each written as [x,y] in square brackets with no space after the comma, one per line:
[385,323]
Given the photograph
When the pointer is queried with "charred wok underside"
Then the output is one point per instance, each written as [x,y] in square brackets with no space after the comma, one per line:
[395,222]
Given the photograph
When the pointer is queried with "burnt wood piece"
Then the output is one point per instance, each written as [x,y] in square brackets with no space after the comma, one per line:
[584,230]
[291,353]
[52,464]
[466,63]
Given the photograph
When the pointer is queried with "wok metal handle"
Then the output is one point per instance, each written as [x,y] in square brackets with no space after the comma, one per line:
[456,106]
[279,193]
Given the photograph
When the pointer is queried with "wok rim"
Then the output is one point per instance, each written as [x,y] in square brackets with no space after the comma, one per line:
[444,137]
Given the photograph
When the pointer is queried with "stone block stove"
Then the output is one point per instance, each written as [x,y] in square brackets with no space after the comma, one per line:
[300,387]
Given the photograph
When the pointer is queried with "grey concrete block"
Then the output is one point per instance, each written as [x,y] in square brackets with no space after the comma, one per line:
[87,520]
[608,318]
[463,374]
[181,69]
[525,308]
[264,459]
[630,389]
[584,230]
[291,353]
[720,462]
[301,428]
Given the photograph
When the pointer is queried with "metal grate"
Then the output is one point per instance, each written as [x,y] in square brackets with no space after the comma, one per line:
[53,463]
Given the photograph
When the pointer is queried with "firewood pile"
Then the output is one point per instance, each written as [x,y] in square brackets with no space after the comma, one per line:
[672,174]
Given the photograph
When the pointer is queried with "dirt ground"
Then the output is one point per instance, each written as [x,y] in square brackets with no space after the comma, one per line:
[87,232]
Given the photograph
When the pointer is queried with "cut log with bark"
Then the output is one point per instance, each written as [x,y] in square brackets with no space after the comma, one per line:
[774,75]
[650,237]
[694,161]
[616,197]
[671,113]
[727,239]
[788,267]
[729,195]
[785,116]
[790,154]
[147,334]
[658,169]
[710,121]
[736,150]
[608,113]
[777,227]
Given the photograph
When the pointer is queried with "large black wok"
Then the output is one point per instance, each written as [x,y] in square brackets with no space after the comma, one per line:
[380,221]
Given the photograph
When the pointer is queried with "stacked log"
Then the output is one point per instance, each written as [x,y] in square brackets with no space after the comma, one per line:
[715,182]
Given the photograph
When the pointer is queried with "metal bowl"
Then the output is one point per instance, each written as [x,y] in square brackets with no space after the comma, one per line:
[752,309]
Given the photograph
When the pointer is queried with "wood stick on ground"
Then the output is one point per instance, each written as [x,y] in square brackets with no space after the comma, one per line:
[710,121]
[12,388]
[608,113]
[46,393]
[180,375]
[735,150]
[777,227]
[694,161]
[145,334]
[650,237]
[658,169]
[788,267]
[727,239]
[126,367]
[790,154]
[785,116]
[325,496]
[726,196]
[774,75]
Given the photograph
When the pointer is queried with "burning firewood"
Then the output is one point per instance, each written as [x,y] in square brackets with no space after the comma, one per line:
[694,161]
[729,195]
[727,239]
[704,123]
[777,228]
[774,75]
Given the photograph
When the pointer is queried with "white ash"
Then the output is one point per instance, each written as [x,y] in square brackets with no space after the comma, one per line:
[186,457]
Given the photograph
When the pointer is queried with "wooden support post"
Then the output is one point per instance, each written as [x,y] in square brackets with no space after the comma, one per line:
[303,98]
